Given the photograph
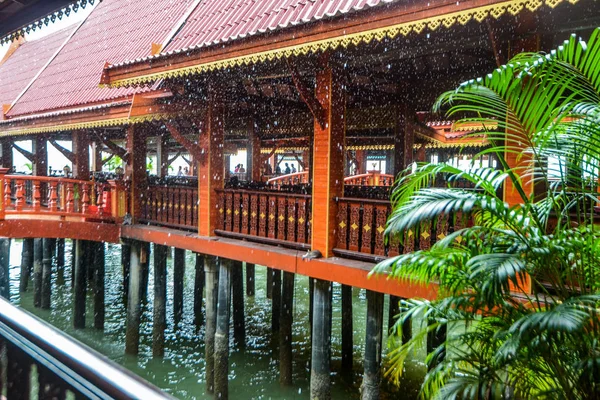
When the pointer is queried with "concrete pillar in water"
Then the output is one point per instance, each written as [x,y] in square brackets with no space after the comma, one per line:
[132,331]
[237,292]
[4,268]
[46,273]
[372,361]
[178,273]
[26,264]
[99,285]
[347,339]
[320,378]
[269,283]
[125,264]
[79,284]
[250,273]
[276,300]
[285,329]
[222,332]
[210,270]
[38,255]
[160,300]
[198,290]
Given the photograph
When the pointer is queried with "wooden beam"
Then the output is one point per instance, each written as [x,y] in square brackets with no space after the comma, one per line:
[193,148]
[114,148]
[66,153]
[27,154]
[315,107]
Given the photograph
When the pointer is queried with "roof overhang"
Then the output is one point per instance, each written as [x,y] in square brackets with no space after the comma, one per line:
[365,27]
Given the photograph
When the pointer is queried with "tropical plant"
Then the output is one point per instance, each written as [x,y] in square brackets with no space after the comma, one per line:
[505,340]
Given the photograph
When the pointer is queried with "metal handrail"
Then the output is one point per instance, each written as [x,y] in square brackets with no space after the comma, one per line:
[70,364]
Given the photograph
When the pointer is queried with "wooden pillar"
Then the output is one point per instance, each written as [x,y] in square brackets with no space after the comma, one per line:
[269,283]
[320,374]
[132,330]
[198,290]
[435,340]
[211,279]
[210,168]
[253,152]
[38,254]
[276,300]
[162,156]
[26,264]
[222,331]
[178,275]
[4,268]
[7,153]
[79,283]
[361,160]
[125,265]
[46,273]
[97,156]
[60,253]
[237,292]
[347,337]
[40,151]
[250,284]
[99,285]
[404,138]
[159,323]
[328,158]
[81,152]
[285,330]
[372,363]
[145,260]
[394,310]
[135,170]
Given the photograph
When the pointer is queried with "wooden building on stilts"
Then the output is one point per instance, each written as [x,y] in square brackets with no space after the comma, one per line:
[321,103]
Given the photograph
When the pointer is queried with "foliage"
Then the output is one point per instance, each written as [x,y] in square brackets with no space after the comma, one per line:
[505,340]
[112,162]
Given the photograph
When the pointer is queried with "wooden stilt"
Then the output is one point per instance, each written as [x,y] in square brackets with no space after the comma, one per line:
[79,284]
[46,273]
[285,329]
[60,261]
[394,310]
[199,290]
[435,341]
[159,324]
[38,254]
[347,339]
[269,283]
[4,268]
[250,273]
[125,264]
[26,264]
[99,286]
[372,361]
[222,331]
[276,303]
[320,375]
[237,289]
[178,274]
[145,260]
[210,270]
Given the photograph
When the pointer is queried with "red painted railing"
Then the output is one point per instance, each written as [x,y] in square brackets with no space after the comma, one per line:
[361,225]
[372,178]
[289,179]
[270,217]
[169,205]
[61,197]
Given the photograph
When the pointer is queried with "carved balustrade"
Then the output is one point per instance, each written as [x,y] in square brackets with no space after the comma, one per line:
[172,205]
[371,178]
[296,178]
[265,216]
[24,194]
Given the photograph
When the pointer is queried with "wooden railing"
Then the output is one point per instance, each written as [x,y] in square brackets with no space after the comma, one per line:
[371,178]
[361,226]
[171,205]
[289,179]
[65,367]
[269,217]
[63,197]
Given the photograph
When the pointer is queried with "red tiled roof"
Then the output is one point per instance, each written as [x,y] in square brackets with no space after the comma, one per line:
[218,21]
[22,66]
[116,29]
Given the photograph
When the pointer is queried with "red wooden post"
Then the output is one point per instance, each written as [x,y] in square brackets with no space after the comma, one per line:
[328,158]
[85,198]
[70,201]
[100,198]
[20,195]
[36,196]
[136,169]
[7,193]
[53,196]
[40,161]
[210,168]
[81,152]
[118,199]
[3,180]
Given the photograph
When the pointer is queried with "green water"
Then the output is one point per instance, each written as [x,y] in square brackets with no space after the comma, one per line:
[253,372]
